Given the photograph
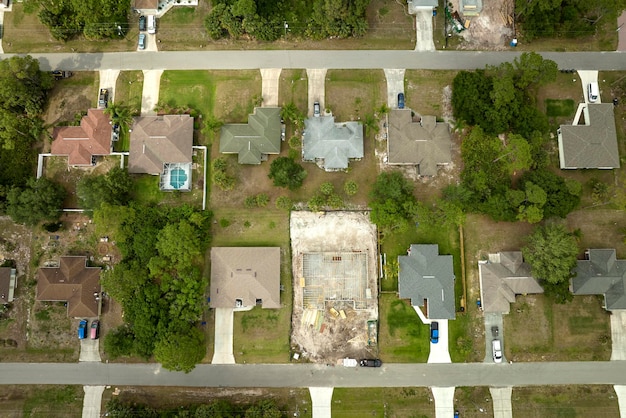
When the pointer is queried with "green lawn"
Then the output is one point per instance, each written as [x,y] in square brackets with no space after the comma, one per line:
[564,401]
[260,335]
[402,336]
[562,108]
[128,91]
[382,402]
[44,401]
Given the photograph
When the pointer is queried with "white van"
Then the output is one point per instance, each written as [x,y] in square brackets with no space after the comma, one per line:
[151,24]
[497,351]
[593,92]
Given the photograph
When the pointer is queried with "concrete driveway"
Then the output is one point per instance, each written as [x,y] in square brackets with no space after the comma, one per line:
[317,88]
[270,78]
[92,401]
[150,92]
[320,402]
[618,334]
[439,352]
[395,85]
[587,77]
[501,398]
[424,30]
[89,350]
[621,27]
[108,78]
[444,401]
[493,320]
[223,352]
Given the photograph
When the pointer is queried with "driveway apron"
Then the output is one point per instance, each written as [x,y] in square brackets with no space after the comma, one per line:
[150,93]
[320,401]
[108,78]
[317,83]
[587,77]
[424,30]
[501,402]
[270,78]
[395,85]
[223,352]
[92,401]
[444,401]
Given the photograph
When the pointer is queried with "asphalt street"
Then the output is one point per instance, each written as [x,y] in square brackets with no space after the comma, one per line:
[311,375]
[234,60]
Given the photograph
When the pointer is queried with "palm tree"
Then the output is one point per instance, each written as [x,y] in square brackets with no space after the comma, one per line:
[120,114]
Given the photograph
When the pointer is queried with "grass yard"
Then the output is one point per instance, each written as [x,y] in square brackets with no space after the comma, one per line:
[424,90]
[560,108]
[564,401]
[353,94]
[382,402]
[128,91]
[402,338]
[23,33]
[539,330]
[41,401]
[71,96]
[474,401]
[260,335]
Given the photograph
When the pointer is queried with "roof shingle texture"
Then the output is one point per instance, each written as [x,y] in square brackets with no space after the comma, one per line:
[261,135]
[602,274]
[335,143]
[80,143]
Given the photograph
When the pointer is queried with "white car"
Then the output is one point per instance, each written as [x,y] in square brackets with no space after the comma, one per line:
[497,351]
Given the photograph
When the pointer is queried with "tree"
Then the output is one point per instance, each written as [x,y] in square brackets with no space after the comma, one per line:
[287,173]
[120,114]
[551,252]
[113,188]
[392,201]
[561,197]
[41,200]
[118,342]
[179,244]
[180,349]
[350,188]
[442,214]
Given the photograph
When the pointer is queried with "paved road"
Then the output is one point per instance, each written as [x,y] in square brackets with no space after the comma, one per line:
[310,375]
[229,60]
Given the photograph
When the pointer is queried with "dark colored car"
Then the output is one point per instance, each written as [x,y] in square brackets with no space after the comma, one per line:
[370,362]
[82,329]
[142,23]
[495,331]
[59,75]
[434,332]
[400,100]
[103,99]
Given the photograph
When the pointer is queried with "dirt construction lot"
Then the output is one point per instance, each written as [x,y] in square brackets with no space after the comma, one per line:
[335,285]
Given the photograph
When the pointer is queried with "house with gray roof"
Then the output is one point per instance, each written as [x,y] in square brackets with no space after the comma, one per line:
[332,145]
[427,278]
[425,144]
[8,283]
[253,141]
[592,144]
[245,276]
[502,277]
[601,273]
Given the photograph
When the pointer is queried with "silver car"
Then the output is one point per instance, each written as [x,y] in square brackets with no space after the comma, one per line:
[142,41]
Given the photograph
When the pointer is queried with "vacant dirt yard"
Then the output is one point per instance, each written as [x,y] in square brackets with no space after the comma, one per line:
[492,28]
[333,301]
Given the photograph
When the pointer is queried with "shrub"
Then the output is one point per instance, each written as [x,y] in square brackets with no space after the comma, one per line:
[350,188]
[327,188]
[284,202]
[262,200]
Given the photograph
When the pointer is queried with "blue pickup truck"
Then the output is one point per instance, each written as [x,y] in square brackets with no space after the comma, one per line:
[82,329]
[434,332]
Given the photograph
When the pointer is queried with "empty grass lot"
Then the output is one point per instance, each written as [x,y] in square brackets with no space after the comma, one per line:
[382,402]
[353,94]
[260,335]
[564,401]
[41,401]
[473,401]
[402,338]
[424,90]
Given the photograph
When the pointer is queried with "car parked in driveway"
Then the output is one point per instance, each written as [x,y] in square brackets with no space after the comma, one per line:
[82,329]
[103,99]
[142,41]
[142,23]
[497,351]
[94,331]
[400,100]
[316,109]
[434,332]
[370,362]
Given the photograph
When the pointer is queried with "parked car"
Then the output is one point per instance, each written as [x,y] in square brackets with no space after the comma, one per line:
[495,331]
[94,331]
[349,362]
[497,351]
[142,41]
[316,109]
[59,75]
[400,100]
[103,99]
[434,332]
[593,91]
[142,23]
[369,362]
[151,24]
[82,329]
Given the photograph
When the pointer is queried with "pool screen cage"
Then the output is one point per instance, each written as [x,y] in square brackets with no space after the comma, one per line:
[176,176]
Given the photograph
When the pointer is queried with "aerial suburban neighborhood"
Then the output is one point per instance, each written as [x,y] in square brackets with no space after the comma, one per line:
[334,208]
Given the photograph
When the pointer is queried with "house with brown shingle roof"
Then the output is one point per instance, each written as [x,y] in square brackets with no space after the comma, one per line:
[72,282]
[245,276]
[81,143]
[157,140]
[503,276]
[425,144]
[8,283]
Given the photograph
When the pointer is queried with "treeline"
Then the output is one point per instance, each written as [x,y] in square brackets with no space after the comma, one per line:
[159,282]
[217,409]
[265,20]
[67,19]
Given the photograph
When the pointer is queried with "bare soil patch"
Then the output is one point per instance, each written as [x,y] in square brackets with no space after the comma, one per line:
[323,335]
[492,29]
[601,228]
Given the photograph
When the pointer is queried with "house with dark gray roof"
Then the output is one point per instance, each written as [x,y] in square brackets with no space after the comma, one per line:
[427,278]
[592,144]
[332,145]
[502,277]
[425,144]
[8,283]
[601,273]
[253,141]
[245,276]
[157,140]
[72,282]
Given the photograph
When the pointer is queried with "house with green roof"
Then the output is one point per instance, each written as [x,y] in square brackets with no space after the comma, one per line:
[592,144]
[427,278]
[601,273]
[253,141]
[331,145]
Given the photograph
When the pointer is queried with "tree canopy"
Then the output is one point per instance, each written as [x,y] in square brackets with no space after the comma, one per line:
[113,188]
[551,252]
[392,201]
[287,173]
[41,200]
